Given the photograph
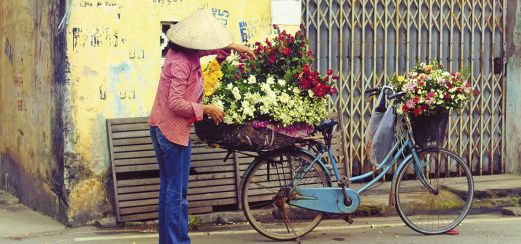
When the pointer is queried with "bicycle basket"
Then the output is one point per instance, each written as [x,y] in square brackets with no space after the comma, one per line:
[241,137]
[429,129]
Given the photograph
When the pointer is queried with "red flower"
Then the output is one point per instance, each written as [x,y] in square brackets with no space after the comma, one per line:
[326,78]
[272,59]
[476,92]
[417,111]
[329,72]
[416,99]
[306,69]
[287,51]
[268,42]
[302,44]
[304,84]
[236,76]
[275,26]
[332,91]
[431,94]
[449,86]
[405,108]
[320,90]
[335,77]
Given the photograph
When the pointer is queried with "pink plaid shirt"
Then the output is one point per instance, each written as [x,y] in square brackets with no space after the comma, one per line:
[179,93]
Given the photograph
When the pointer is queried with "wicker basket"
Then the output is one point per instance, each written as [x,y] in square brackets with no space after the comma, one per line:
[241,137]
[430,129]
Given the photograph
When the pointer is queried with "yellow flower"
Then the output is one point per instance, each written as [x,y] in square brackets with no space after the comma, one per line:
[212,74]
[401,78]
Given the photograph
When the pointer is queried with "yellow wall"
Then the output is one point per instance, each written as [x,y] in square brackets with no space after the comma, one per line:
[29,117]
[114,55]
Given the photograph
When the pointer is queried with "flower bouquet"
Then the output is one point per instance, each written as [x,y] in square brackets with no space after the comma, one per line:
[275,96]
[430,93]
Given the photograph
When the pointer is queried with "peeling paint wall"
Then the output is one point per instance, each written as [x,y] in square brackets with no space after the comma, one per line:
[513,106]
[114,54]
[30,91]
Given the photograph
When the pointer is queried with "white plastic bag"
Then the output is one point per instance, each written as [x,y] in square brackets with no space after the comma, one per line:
[376,117]
[374,121]
[384,137]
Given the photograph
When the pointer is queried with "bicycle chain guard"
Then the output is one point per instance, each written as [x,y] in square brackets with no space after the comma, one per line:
[328,199]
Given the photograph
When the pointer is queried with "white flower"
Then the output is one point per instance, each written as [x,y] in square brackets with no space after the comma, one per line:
[270,80]
[218,103]
[281,82]
[236,93]
[229,86]
[252,79]
[310,93]
[284,98]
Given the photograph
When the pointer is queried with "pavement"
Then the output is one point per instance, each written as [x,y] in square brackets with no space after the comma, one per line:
[496,205]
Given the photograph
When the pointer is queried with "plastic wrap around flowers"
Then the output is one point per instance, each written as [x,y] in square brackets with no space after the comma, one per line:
[278,87]
[430,89]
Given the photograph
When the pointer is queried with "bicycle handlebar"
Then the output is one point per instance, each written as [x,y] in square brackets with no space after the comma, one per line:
[396,95]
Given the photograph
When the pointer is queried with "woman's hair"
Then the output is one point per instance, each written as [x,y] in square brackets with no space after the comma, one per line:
[176,47]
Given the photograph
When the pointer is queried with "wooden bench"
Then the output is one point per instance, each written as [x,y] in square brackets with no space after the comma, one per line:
[214,184]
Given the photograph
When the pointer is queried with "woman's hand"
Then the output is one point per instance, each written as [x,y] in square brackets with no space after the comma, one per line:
[214,112]
[244,51]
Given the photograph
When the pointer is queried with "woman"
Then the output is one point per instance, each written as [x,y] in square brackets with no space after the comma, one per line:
[177,107]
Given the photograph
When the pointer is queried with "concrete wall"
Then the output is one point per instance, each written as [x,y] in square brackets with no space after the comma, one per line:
[113,48]
[31,88]
[513,100]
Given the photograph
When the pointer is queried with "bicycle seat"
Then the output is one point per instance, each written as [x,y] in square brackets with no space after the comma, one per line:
[326,124]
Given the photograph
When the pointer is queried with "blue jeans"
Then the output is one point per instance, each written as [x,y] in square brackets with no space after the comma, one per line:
[174,169]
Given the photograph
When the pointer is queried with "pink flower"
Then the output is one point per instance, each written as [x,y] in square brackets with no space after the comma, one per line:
[431,94]
[410,104]
[410,86]
[442,81]
[428,101]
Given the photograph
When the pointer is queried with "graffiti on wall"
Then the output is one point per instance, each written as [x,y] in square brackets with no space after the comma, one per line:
[95,37]
[221,15]
[253,27]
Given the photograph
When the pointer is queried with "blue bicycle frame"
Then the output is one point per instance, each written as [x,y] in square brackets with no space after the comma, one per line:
[329,199]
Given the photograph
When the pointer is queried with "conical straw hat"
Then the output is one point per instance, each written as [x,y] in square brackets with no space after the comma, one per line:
[200,31]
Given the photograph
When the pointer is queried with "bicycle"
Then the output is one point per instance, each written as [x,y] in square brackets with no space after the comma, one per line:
[286,192]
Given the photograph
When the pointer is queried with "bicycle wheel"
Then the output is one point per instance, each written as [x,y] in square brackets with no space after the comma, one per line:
[441,200]
[267,181]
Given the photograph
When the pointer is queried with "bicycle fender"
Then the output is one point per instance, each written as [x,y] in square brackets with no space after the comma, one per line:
[401,165]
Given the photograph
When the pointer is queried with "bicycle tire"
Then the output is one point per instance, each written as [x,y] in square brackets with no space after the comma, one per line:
[264,218]
[453,183]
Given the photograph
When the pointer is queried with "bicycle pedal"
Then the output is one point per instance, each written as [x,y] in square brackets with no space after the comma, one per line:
[348,218]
